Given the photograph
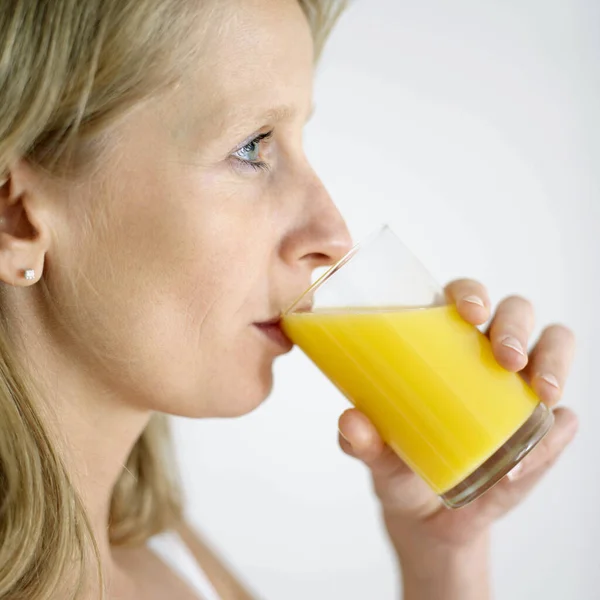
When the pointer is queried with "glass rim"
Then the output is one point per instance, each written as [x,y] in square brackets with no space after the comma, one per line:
[336,267]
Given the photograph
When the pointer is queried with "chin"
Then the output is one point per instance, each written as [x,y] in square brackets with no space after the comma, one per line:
[235,397]
[246,399]
[243,393]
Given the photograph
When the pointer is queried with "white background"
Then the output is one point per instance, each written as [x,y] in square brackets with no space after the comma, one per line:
[472,128]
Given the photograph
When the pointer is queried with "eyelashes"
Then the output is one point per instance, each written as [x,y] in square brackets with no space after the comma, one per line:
[249,156]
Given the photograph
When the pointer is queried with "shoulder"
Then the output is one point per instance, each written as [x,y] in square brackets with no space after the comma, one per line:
[227,584]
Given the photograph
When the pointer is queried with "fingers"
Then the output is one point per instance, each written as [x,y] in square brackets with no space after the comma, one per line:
[471,299]
[510,331]
[509,334]
[547,368]
[550,362]
[399,490]
[545,454]
[524,477]
[532,468]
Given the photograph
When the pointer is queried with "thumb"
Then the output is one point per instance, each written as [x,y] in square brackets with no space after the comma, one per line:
[360,439]
[398,488]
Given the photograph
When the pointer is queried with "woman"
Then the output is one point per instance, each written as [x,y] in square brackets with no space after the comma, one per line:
[157,211]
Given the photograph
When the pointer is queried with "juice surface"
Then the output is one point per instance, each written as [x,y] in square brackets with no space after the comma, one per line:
[427,380]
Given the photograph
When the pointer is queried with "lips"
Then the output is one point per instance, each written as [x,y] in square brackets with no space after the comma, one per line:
[270,323]
[273,327]
[273,331]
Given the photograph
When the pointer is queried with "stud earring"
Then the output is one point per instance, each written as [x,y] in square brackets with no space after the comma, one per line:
[29,274]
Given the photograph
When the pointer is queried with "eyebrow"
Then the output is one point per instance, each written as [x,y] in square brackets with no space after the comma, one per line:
[282,113]
[279,113]
[273,115]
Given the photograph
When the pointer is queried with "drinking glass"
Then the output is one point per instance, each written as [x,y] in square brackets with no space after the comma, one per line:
[379,327]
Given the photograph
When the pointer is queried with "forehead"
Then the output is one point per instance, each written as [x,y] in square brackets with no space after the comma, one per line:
[256,61]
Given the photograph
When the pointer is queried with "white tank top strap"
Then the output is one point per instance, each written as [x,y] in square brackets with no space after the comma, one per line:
[170,548]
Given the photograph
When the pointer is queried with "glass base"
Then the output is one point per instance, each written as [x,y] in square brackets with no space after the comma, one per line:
[503,460]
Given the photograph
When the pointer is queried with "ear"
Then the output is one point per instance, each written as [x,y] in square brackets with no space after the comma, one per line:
[24,234]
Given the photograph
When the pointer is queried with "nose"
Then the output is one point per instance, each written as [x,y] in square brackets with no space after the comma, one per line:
[320,236]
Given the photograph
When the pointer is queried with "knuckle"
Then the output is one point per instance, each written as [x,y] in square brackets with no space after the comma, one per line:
[519,302]
[516,313]
[464,286]
[465,282]
[548,363]
[562,331]
[551,460]
[503,328]
[543,456]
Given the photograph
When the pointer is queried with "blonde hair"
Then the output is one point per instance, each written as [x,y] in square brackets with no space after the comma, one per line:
[68,70]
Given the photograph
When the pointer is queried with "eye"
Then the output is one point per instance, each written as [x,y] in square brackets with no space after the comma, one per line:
[250,154]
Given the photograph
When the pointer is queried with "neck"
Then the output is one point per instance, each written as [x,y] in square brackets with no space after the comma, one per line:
[100,438]
[97,433]
[94,427]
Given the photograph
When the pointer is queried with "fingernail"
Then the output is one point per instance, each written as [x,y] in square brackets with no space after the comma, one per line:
[474,300]
[340,432]
[548,378]
[516,472]
[513,343]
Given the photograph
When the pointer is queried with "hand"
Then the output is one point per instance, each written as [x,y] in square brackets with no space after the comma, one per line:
[411,510]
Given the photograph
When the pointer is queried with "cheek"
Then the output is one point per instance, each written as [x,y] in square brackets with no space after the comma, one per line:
[228,363]
[202,352]
[233,375]
[166,293]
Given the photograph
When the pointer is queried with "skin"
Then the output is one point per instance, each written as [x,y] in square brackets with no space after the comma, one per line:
[163,260]
[442,553]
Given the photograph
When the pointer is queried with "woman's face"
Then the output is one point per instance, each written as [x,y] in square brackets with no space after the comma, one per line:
[203,221]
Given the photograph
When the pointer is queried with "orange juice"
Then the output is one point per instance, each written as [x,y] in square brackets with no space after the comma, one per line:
[427,380]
